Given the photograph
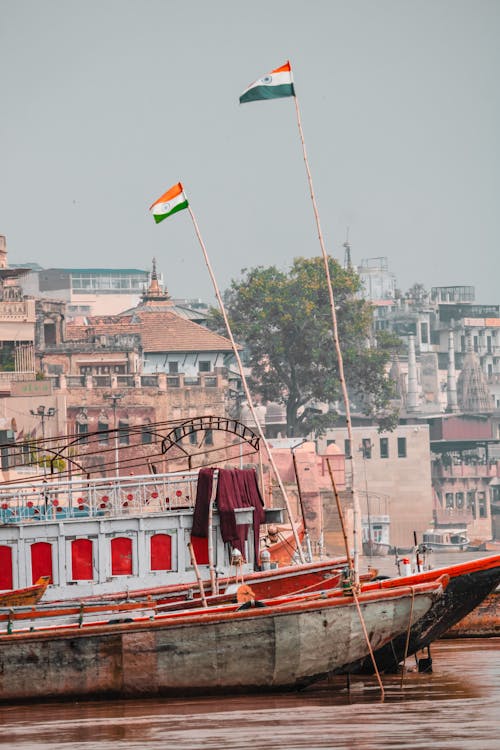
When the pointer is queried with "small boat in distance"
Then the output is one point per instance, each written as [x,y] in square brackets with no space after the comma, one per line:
[27,596]
[445,540]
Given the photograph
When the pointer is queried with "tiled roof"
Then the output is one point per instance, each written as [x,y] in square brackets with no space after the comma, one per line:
[159,331]
[168,332]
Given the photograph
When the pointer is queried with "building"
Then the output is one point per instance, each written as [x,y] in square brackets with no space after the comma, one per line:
[377,281]
[88,291]
[392,477]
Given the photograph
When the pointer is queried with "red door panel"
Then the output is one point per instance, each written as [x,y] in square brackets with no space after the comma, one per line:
[6,579]
[161,552]
[81,560]
[41,560]
[200,549]
[121,556]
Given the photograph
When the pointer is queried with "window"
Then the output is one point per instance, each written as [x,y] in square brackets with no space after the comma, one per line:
[459,500]
[401,447]
[347,448]
[123,433]
[103,427]
[82,427]
[209,437]
[366,448]
[146,435]
[173,368]
[384,447]
[193,438]
[481,502]
[471,502]
[204,366]
[449,499]
[178,435]
[424,333]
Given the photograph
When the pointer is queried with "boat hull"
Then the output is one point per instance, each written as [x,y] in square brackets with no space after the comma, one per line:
[470,583]
[277,647]
[25,597]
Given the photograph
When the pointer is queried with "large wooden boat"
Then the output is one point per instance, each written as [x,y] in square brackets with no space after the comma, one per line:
[286,645]
[470,583]
[290,581]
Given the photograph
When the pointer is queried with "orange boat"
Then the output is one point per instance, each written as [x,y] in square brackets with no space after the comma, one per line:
[280,542]
[25,597]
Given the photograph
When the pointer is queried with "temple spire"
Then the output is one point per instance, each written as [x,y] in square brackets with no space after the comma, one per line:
[155,293]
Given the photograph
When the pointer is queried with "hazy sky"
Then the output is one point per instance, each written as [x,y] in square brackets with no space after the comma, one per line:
[104,104]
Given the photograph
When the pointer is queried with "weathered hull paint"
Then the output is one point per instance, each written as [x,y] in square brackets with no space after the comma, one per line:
[470,583]
[277,647]
[482,622]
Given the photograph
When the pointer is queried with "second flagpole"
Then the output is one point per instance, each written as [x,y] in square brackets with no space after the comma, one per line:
[355,502]
[244,383]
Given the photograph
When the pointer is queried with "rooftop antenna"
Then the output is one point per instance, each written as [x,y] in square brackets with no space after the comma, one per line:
[347,252]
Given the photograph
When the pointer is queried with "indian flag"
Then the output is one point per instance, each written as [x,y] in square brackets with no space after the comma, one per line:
[170,202]
[274,85]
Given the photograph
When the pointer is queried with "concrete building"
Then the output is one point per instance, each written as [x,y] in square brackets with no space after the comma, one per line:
[392,476]
[377,281]
[88,291]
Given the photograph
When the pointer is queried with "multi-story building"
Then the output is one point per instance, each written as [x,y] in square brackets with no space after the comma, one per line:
[392,477]
[88,291]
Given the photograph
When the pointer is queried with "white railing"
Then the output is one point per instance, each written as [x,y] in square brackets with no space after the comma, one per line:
[79,498]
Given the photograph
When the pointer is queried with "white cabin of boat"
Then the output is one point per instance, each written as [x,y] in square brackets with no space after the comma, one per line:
[97,536]
[446,540]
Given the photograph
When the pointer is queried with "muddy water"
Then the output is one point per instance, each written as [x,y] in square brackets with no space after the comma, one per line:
[457,706]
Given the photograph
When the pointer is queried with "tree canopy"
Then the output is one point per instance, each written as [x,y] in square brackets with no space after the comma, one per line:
[284,321]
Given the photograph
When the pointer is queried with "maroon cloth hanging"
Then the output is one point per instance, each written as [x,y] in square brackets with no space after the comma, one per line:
[202,504]
[238,488]
[247,478]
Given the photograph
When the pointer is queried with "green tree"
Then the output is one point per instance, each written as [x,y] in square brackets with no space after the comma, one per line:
[284,320]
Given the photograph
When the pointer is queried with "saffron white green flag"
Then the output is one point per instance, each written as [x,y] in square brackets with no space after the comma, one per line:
[274,85]
[170,202]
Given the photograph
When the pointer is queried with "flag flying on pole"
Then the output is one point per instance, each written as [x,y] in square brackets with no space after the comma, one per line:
[170,202]
[274,85]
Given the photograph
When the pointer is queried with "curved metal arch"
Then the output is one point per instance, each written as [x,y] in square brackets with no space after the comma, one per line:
[200,424]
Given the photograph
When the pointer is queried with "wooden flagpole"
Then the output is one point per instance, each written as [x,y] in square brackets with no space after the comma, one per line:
[245,385]
[355,500]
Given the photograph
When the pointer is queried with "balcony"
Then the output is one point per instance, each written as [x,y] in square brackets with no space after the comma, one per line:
[464,471]
[452,516]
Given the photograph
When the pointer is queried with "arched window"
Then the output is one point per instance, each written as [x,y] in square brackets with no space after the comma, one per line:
[121,556]
[81,560]
[82,425]
[41,561]
[123,434]
[6,579]
[161,552]
[103,426]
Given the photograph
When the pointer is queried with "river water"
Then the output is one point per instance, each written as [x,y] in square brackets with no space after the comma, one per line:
[455,707]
